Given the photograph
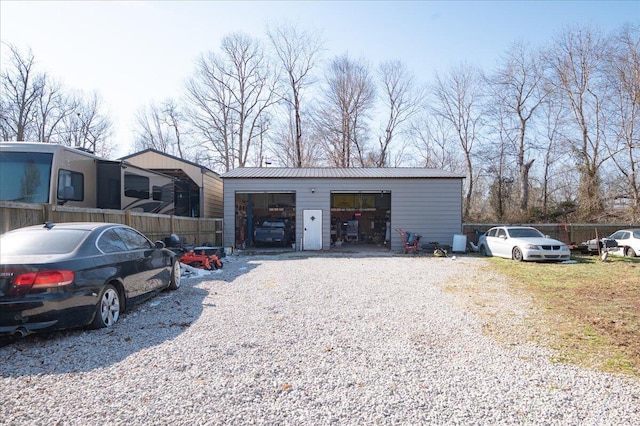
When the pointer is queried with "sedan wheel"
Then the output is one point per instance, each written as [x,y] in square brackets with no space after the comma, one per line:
[630,252]
[108,308]
[176,275]
[517,254]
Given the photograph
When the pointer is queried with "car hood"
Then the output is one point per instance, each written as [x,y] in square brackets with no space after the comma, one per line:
[539,241]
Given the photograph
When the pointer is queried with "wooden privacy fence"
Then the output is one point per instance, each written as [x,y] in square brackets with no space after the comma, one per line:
[200,231]
[566,232]
[196,231]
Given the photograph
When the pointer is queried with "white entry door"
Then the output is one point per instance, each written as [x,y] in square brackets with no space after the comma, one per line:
[312,236]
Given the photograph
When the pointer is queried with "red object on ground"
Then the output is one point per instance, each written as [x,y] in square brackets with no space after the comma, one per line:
[409,245]
[201,260]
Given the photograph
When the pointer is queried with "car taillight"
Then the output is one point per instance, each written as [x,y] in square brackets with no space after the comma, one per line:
[41,279]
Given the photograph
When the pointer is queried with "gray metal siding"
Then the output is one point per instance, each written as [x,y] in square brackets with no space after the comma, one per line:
[430,207]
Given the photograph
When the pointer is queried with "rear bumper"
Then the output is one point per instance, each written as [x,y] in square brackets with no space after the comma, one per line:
[23,330]
[39,314]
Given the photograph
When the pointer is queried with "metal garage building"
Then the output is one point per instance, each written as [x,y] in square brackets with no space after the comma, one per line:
[322,206]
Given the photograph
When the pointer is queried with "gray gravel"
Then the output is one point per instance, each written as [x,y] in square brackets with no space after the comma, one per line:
[310,340]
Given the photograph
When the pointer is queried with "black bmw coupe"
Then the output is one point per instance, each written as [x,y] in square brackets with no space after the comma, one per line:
[66,275]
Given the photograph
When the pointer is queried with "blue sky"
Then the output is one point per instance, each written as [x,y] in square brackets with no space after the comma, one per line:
[133,53]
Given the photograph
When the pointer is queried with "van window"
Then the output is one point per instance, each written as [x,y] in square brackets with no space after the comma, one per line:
[70,185]
[136,186]
[157,193]
[163,193]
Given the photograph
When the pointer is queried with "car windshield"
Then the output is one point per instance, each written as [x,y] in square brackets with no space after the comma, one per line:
[620,235]
[25,176]
[267,224]
[38,241]
[525,233]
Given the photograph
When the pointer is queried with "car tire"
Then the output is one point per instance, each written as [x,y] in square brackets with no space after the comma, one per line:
[107,308]
[483,250]
[517,254]
[630,252]
[176,276]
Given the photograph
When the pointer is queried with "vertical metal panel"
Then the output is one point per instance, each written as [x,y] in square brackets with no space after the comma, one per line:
[211,203]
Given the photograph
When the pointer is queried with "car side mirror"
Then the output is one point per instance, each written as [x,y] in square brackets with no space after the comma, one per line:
[160,244]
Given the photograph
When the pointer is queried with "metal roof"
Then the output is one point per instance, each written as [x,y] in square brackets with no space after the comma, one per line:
[338,173]
[164,154]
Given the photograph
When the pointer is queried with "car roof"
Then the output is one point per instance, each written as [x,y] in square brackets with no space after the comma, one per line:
[514,226]
[88,226]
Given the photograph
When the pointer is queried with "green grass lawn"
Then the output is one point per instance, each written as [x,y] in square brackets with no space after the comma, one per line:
[590,309]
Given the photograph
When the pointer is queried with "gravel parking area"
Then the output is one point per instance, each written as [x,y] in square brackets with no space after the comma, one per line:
[306,340]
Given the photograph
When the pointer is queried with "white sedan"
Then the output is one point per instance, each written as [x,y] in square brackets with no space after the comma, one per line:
[625,242]
[522,243]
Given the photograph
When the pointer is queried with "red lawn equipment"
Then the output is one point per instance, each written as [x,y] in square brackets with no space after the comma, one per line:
[198,257]
[410,241]
[202,260]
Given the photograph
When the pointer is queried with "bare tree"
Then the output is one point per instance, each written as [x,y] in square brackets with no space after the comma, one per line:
[402,99]
[298,53]
[88,128]
[498,158]
[281,148]
[435,143]
[159,127]
[230,96]
[625,60]
[211,114]
[54,106]
[261,148]
[578,73]
[342,117]
[457,101]
[22,88]
[517,88]
[35,107]
[554,154]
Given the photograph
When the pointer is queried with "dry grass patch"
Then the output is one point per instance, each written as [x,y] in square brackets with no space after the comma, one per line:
[588,313]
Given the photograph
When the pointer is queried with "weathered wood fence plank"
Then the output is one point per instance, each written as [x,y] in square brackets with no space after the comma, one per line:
[197,231]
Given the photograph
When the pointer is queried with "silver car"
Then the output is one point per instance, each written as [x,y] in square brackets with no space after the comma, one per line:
[522,243]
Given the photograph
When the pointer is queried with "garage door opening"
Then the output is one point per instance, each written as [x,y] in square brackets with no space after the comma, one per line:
[265,219]
[360,218]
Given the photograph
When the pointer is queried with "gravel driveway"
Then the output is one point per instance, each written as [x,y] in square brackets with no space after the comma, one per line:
[305,340]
